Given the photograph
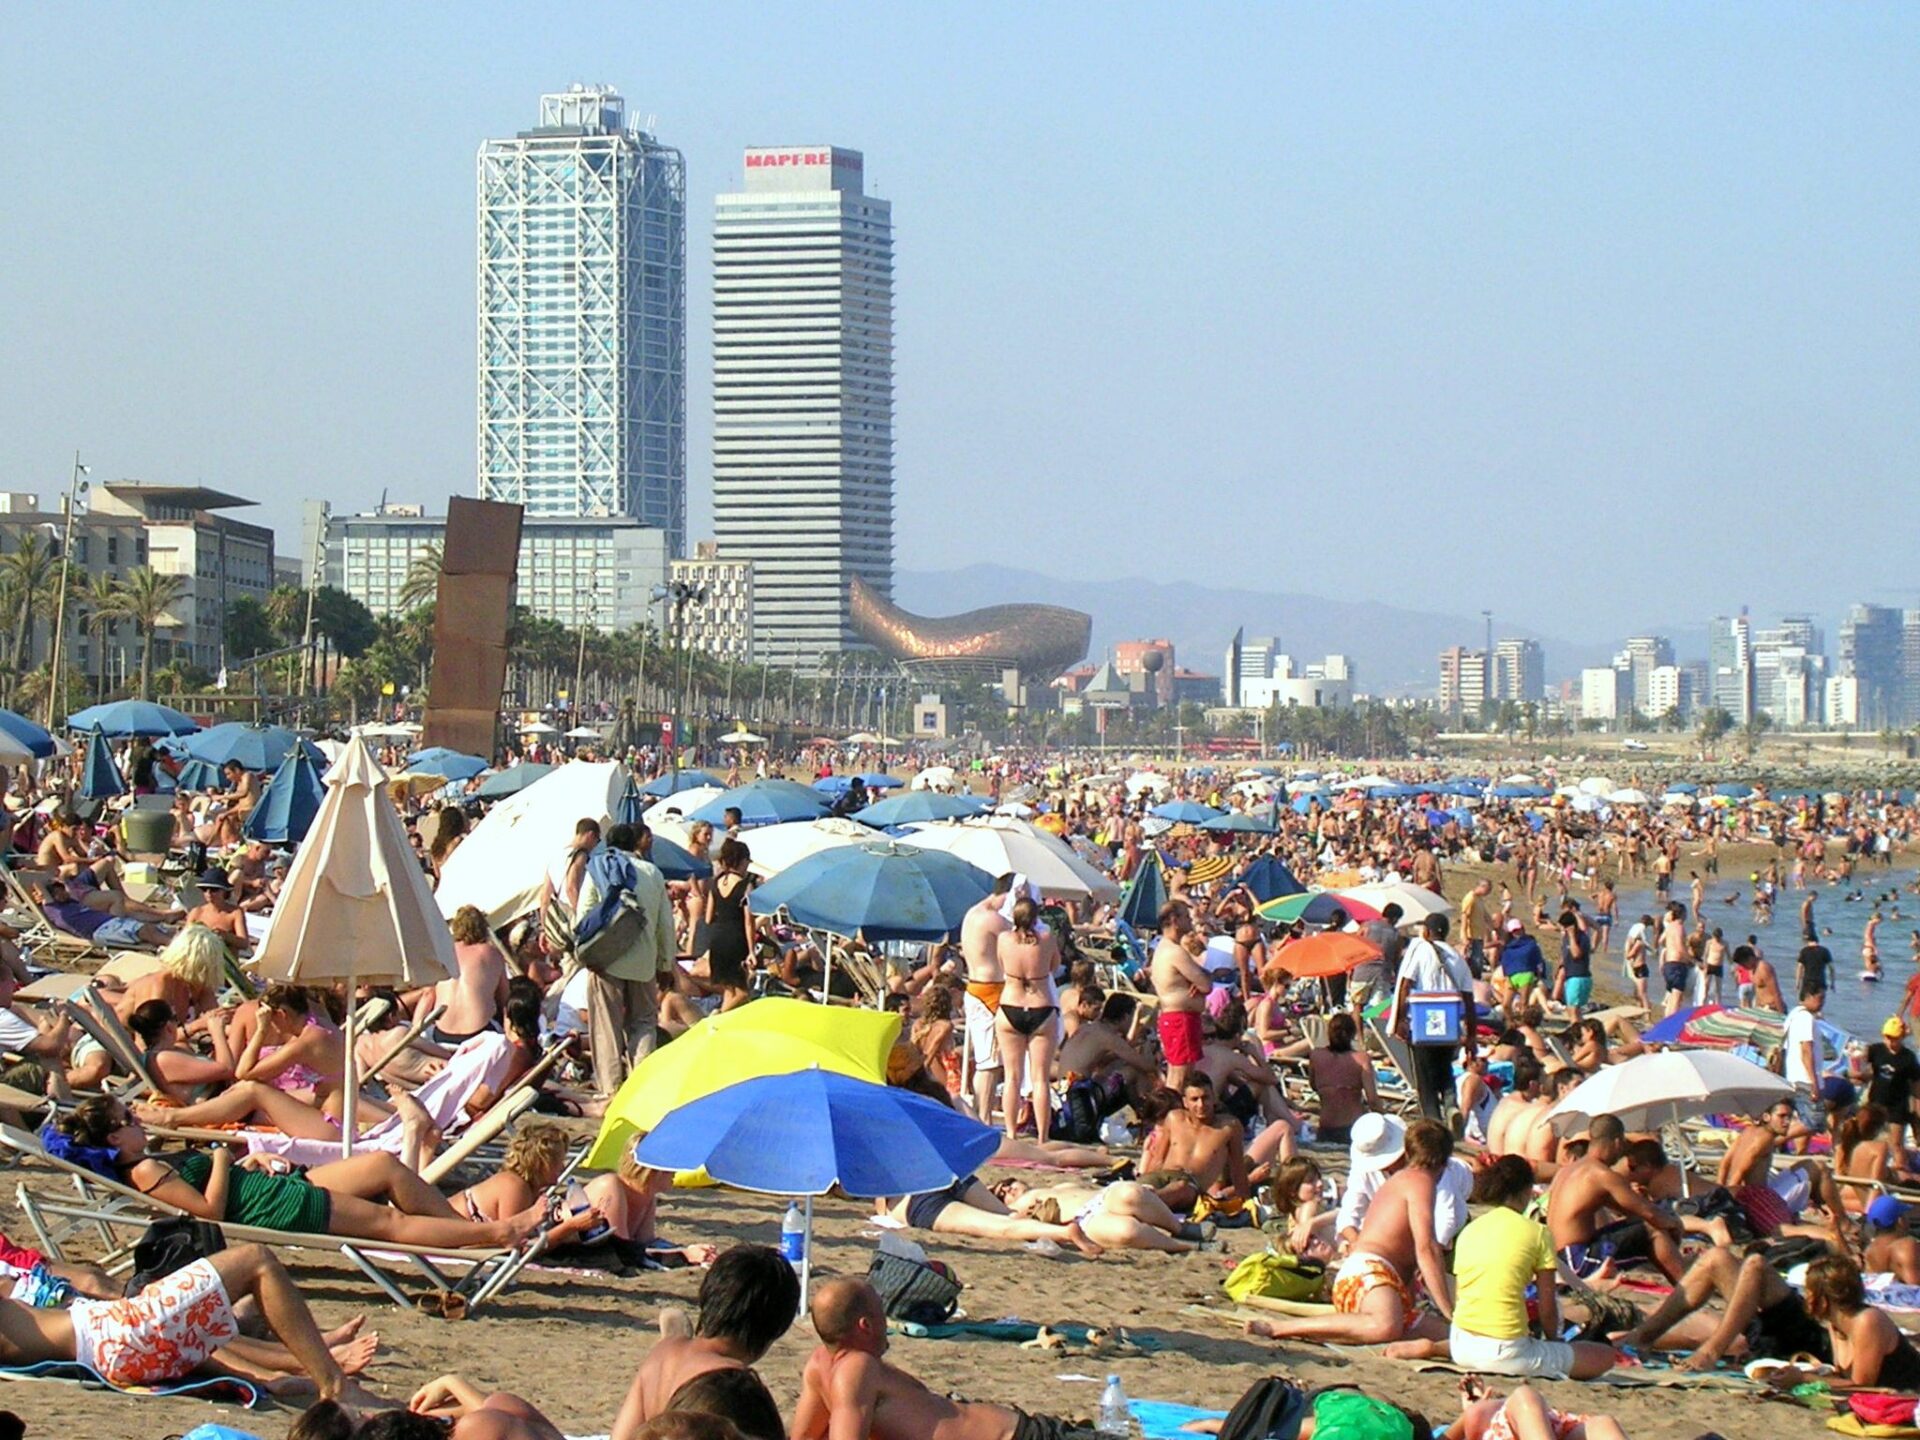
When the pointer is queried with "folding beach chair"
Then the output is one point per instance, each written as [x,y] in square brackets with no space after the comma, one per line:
[1396,1087]
[118,1215]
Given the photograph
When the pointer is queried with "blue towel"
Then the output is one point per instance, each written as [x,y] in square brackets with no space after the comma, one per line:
[1162,1419]
[224,1388]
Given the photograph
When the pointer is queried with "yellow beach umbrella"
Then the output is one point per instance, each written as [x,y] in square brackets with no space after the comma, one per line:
[764,1037]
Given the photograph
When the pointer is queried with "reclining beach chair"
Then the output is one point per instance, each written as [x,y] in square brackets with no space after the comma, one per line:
[118,1215]
[1395,1084]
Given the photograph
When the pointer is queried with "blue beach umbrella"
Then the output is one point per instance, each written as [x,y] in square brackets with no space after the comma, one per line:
[676,862]
[1733,790]
[34,737]
[875,781]
[512,780]
[1518,792]
[917,805]
[1146,895]
[1269,878]
[675,781]
[199,775]
[287,807]
[876,891]
[1185,812]
[256,747]
[804,1133]
[1671,1030]
[763,802]
[119,718]
[439,760]
[835,785]
[1234,823]
[100,779]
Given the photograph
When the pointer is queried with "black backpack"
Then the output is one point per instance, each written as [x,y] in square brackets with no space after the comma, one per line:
[1271,1409]
[172,1244]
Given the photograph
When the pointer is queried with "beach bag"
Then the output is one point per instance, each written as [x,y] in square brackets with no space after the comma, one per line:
[1276,1274]
[1883,1409]
[1271,1409]
[598,936]
[172,1244]
[920,1291]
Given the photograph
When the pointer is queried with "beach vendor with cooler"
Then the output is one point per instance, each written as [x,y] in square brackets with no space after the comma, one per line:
[1433,1011]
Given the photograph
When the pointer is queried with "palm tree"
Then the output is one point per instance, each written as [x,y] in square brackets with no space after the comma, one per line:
[102,603]
[28,577]
[148,594]
[422,585]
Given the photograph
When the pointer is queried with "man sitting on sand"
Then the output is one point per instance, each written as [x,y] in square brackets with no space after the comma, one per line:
[1194,1152]
[747,1300]
[1765,1317]
[1598,1216]
[1774,1201]
[1374,1298]
[847,1390]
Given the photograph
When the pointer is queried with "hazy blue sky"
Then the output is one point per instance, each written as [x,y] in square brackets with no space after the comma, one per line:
[1599,315]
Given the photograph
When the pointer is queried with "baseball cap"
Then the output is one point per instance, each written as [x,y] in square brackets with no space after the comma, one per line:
[1886,1212]
[1894,1026]
[1514,927]
[1838,1090]
[1377,1141]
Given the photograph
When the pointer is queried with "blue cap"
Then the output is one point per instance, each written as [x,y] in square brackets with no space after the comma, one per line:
[1886,1212]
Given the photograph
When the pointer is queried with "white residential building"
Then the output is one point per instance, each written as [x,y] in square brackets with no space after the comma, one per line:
[1843,700]
[721,623]
[803,393]
[1605,693]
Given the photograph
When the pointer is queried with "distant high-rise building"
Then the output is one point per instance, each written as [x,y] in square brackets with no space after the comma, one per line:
[1843,701]
[1789,673]
[1872,642]
[1130,662]
[803,394]
[1670,692]
[1519,670]
[1230,672]
[1257,654]
[1910,665]
[1606,693]
[1644,654]
[583,317]
[1463,681]
[1730,666]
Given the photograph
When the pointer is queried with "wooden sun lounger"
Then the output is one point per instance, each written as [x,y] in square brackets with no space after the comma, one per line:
[119,1214]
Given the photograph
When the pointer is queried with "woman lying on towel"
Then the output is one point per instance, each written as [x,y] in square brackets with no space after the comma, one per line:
[289,1075]
[370,1197]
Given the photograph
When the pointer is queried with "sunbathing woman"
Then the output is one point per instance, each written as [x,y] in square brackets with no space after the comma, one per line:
[1865,1149]
[289,1076]
[344,1197]
[191,969]
[182,1074]
[907,1070]
[1122,1216]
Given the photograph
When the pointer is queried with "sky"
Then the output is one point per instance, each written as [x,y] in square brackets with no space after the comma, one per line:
[1598,316]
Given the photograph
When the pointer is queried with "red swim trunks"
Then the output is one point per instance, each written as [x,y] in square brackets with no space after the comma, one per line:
[1180,1036]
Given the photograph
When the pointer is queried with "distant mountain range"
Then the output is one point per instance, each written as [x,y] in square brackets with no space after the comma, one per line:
[1395,650]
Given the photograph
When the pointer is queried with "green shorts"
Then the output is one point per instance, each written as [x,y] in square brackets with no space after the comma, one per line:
[1525,980]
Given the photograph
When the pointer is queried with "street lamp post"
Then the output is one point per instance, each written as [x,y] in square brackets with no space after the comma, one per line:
[75,487]
[679,594]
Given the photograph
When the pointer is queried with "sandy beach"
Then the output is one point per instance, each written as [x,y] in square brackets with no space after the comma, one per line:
[569,1340]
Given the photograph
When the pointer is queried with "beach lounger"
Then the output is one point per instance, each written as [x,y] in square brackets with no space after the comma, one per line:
[1396,1088]
[118,1214]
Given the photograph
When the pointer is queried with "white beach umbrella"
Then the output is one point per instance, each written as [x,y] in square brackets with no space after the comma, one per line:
[356,905]
[539,727]
[1001,845]
[742,737]
[1144,780]
[1518,778]
[775,847]
[1628,796]
[583,732]
[1596,785]
[863,737]
[934,777]
[502,865]
[674,806]
[1415,903]
[1668,1086]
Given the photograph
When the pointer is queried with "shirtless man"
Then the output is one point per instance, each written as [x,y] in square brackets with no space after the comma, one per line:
[476,997]
[1514,1113]
[243,793]
[1747,1170]
[1192,1152]
[1181,983]
[1676,970]
[1373,1290]
[1766,985]
[980,932]
[747,1300]
[1226,1062]
[848,1391]
[1583,1190]
[217,912]
[1102,1044]
[253,886]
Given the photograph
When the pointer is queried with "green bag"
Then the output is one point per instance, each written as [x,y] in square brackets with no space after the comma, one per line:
[1278,1275]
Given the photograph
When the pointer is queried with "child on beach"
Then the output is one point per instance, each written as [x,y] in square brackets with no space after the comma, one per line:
[1299,1199]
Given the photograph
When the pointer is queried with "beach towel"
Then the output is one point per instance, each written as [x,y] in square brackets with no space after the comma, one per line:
[72,1372]
[1017,1330]
[1162,1419]
[1854,1425]
[483,1060]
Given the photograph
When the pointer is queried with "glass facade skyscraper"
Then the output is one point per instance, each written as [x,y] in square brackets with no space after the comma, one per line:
[582,299]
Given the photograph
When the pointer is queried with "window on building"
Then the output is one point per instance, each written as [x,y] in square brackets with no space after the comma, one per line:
[113,549]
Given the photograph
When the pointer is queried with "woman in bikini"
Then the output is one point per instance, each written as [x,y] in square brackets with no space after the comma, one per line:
[1029,1015]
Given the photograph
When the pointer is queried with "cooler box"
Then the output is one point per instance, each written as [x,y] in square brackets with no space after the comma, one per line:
[1436,1019]
[147,832]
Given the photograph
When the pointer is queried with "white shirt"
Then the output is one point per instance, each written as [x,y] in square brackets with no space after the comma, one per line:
[1802,1029]
[1451,1194]
[16,1032]
[1432,968]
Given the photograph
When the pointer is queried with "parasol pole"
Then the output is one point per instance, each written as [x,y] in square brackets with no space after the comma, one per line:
[350,1107]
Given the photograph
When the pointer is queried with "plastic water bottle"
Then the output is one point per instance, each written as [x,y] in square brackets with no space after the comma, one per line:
[793,1235]
[1115,1417]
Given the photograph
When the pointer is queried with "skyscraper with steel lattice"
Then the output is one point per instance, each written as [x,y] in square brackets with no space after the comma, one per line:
[583,316]
[803,395]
